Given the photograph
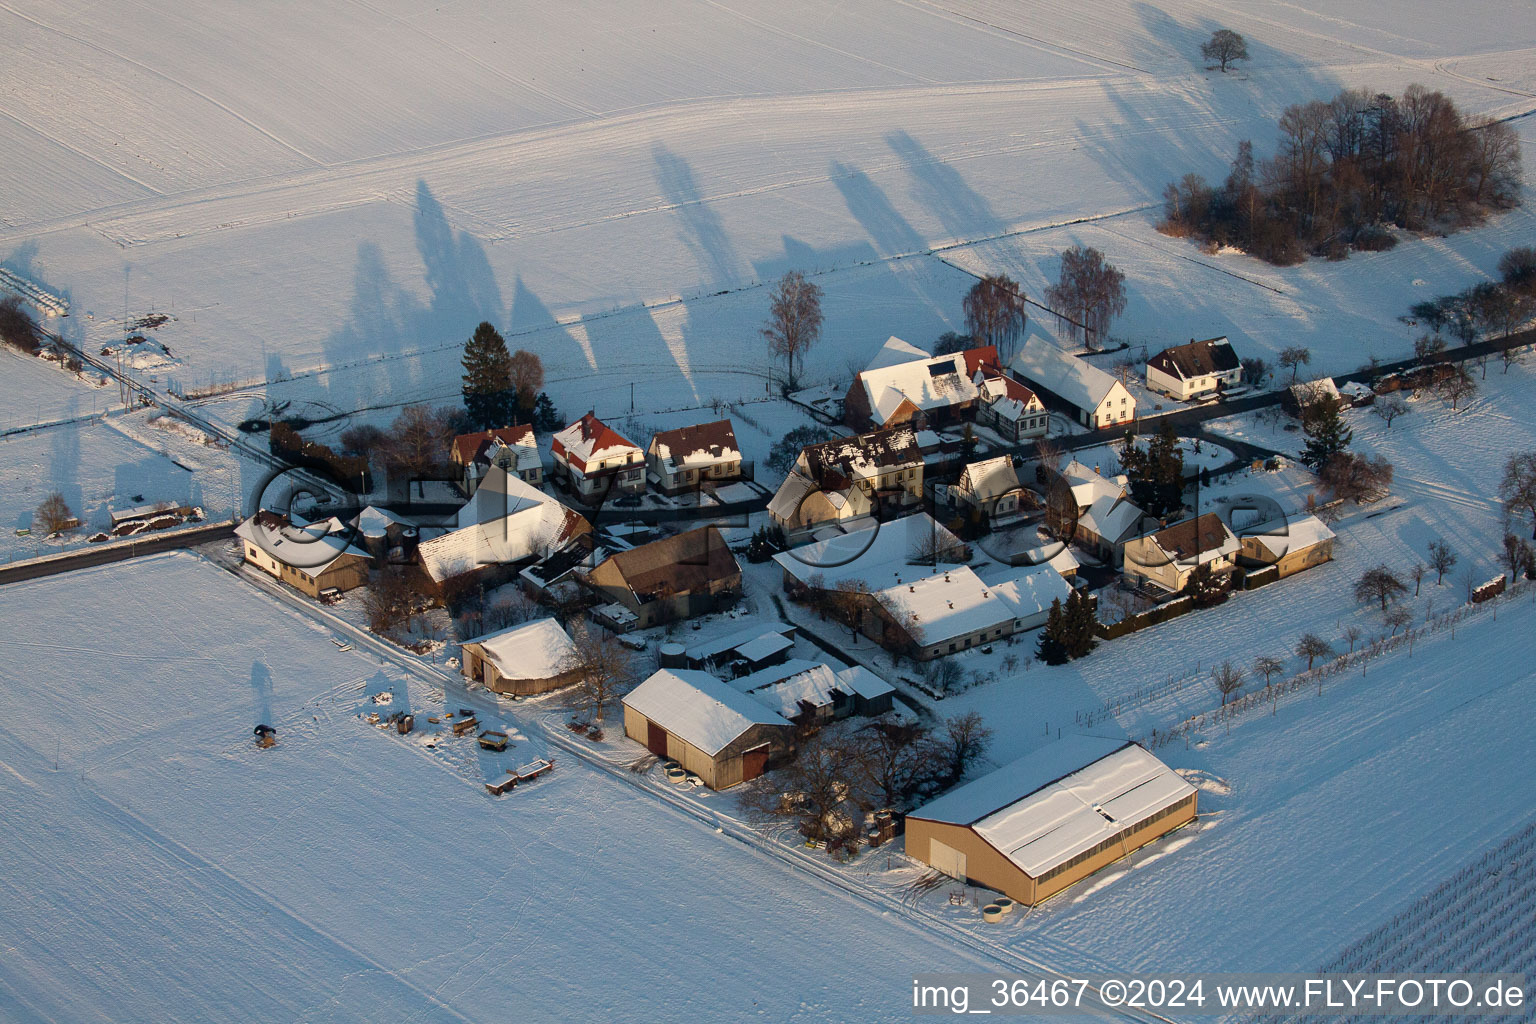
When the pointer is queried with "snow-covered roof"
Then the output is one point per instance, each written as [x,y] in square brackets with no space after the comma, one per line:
[786,500]
[1031,590]
[374,521]
[1054,554]
[1356,390]
[468,448]
[1088,485]
[739,640]
[1071,379]
[1008,398]
[1291,535]
[1111,517]
[860,680]
[990,479]
[539,649]
[530,524]
[311,548]
[703,444]
[950,603]
[835,463]
[879,554]
[783,687]
[591,440]
[895,351]
[765,646]
[1308,391]
[1049,806]
[698,708]
[927,382]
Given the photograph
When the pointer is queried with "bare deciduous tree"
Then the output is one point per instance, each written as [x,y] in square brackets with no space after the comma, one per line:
[995,313]
[1379,584]
[418,440]
[1398,617]
[1351,477]
[1457,387]
[1267,666]
[1389,408]
[1254,371]
[794,319]
[1441,559]
[605,665]
[962,740]
[1352,634]
[816,788]
[1518,487]
[527,378]
[893,758]
[53,515]
[390,598]
[1311,646]
[1224,47]
[1228,679]
[1516,555]
[1418,572]
[1294,358]
[1088,294]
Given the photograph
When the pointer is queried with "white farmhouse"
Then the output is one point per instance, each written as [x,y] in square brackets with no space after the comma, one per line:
[1099,399]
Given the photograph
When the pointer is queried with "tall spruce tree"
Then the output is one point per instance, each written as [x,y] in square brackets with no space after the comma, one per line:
[1078,624]
[1156,473]
[1050,649]
[1327,434]
[490,398]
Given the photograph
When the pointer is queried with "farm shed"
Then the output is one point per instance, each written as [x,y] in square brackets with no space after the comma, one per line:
[535,657]
[720,734]
[1290,546]
[1050,819]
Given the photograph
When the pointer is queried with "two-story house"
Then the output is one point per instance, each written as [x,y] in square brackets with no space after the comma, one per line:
[689,458]
[510,448]
[1195,370]
[1098,399]
[1168,556]
[848,477]
[597,462]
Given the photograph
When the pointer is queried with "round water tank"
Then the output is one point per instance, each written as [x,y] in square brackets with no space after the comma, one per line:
[671,655]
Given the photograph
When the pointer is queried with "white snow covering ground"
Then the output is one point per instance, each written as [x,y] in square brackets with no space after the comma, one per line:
[161,867]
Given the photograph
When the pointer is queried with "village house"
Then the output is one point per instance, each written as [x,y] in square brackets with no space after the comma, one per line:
[689,458]
[991,488]
[535,657]
[1291,545]
[674,578]
[1168,556]
[810,694]
[870,557]
[506,525]
[849,477]
[1089,485]
[1052,818]
[952,610]
[719,733]
[1097,399]
[1195,370]
[1007,407]
[597,463]
[1106,525]
[1300,399]
[310,557]
[923,391]
[512,449]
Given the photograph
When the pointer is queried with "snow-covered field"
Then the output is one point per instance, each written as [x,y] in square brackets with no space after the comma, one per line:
[323,204]
[328,198]
[160,867]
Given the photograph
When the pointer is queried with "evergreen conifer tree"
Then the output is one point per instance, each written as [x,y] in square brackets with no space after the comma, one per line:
[1050,648]
[1327,434]
[489,397]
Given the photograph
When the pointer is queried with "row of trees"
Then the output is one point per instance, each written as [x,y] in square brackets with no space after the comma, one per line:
[1088,294]
[1489,307]
[1345,169]
[836,777]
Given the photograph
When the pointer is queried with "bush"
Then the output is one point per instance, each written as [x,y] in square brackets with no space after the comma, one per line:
[17,328]
[787,448]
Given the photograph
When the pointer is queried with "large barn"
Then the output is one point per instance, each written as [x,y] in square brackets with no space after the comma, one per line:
[720,734]
[1052,818]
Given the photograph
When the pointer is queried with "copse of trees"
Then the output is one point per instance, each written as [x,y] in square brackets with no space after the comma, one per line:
[17,328]
[1347,170]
